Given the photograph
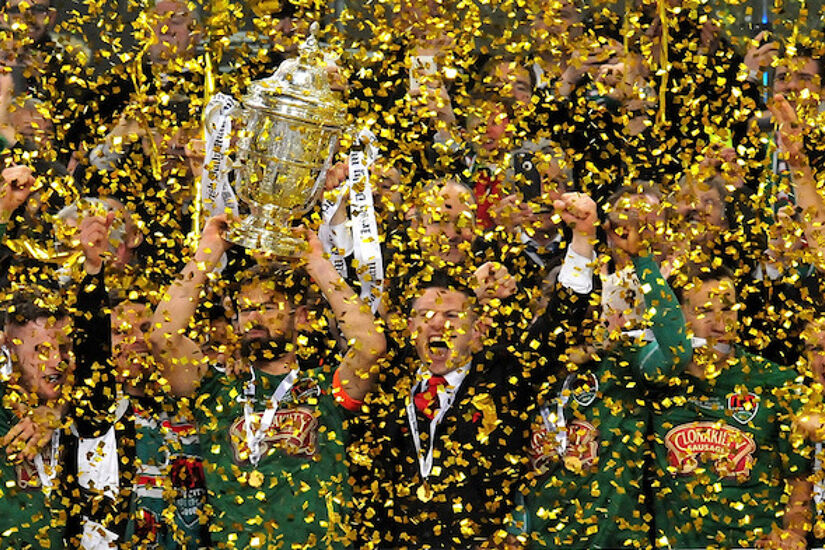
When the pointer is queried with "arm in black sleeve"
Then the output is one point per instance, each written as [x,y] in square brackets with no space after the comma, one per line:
[556,329]
[552,117]
[95,394]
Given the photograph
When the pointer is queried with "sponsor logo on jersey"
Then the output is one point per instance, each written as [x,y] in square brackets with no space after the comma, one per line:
[293,432]
[584,388]
[542,447]
[188,479]
[582,446]
[727,448]
[147,528]
[303,390]
[185,432]
[707,403]
[743,406]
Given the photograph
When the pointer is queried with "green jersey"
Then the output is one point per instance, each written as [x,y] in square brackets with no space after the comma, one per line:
[723,452]
[589,444]
[26,521]
[298,493]
[168,507]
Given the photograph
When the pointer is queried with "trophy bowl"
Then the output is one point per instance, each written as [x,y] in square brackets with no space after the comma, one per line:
[290,126]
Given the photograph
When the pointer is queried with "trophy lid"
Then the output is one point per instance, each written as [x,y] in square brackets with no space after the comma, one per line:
[300,88]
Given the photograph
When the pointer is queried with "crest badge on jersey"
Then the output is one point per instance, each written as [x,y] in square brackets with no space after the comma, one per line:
[743,406]
[584,388]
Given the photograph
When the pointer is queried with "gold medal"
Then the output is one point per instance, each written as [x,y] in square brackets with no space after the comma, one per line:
[573,464]
[425,494]
[255,478]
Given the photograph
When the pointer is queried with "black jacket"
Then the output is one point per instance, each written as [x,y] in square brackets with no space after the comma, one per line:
[93,414]
[479,459]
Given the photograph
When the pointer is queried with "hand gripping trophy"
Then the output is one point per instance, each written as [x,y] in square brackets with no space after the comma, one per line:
[291,124]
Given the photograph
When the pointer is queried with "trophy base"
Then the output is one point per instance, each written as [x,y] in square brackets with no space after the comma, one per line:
[274,242]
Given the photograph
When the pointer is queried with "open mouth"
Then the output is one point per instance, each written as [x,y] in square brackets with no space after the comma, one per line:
[438,347]
[257,332]
[137,349]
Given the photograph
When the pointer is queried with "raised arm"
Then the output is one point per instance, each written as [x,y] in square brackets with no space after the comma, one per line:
[365,338]
[181,359]
[16,184]
[95,390]
[631,230]
[808,197]
[671,351]
[567,309]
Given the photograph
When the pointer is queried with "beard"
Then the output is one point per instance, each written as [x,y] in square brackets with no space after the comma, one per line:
[259,349]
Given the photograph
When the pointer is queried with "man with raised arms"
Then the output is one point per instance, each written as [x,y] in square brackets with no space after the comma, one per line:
[273,435]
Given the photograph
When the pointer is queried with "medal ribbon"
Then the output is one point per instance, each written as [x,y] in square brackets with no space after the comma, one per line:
[425,462]
[47,476]
[558,425]
[255,437]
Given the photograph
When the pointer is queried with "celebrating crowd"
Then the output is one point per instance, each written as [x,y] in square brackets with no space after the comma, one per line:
[573,299]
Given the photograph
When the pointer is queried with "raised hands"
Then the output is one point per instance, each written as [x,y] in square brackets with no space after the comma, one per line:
[631,224]
[31,434]
[195,151]
[16,184]
[761,53]
[314,251]
[578,211]
[493,280]
[212,244]
[790,132]
[93,235]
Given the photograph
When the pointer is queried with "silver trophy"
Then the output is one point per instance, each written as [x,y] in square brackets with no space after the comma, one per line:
[290,126]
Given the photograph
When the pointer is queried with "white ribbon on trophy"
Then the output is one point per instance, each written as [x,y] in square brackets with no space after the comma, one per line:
[365,242]
[216,191]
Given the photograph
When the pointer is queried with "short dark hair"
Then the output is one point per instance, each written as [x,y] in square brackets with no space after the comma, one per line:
[694,274]
[510,59]
[118,296]
[439,278]
[815,55]
[637,187]
[292,282]
[26,305]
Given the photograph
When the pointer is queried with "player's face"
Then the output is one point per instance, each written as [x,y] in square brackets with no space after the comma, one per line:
[444,329]
[264,316]
[33,127]
[799,81]
[131,323]
[701,210]
[173,30]
[511,81]
[815,349]
[36,17]
[490,127]
[711,312]
[560,19]
[449,223]
[41,352]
